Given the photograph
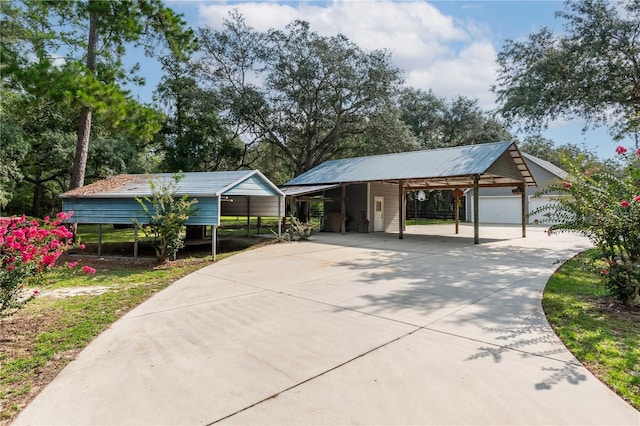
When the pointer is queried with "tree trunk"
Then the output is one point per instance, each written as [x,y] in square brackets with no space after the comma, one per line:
[84,127]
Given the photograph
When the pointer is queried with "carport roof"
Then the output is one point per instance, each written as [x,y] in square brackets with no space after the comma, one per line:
[194,184]
[497,164]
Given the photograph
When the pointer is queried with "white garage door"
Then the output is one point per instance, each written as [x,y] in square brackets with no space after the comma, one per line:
[505,209]
[537,202]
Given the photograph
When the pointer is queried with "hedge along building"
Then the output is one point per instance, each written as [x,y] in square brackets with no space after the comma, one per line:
[230,193]
[368,193]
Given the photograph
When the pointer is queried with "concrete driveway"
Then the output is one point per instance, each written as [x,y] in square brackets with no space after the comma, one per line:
[355,329]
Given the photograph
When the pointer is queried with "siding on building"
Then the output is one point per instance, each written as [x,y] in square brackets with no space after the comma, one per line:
[260,206]
[124,211]
[391,199]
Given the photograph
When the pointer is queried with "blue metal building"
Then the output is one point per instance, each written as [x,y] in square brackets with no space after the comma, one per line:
[226,193]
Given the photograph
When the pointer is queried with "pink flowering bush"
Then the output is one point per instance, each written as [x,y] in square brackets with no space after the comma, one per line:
[27,249]
[605,207]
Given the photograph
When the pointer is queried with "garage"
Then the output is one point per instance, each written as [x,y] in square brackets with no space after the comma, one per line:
[502,205]
[499,209]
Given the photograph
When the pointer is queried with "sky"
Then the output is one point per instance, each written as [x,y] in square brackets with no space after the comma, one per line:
[446,46]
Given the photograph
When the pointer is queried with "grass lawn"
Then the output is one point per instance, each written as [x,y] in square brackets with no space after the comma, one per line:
[602,333]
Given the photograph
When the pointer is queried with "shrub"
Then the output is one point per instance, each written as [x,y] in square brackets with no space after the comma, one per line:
[27,249]
[298,230]
[167,215]
[605,208]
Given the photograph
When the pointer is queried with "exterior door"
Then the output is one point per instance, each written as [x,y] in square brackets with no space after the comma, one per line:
[378,214]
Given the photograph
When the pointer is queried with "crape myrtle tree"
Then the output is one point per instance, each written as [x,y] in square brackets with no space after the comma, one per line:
[590,71]
[309,98]
[72,52]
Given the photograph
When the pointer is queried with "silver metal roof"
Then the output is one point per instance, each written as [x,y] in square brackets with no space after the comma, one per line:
[498,164]
[194,184]
[305,189]
[552,168]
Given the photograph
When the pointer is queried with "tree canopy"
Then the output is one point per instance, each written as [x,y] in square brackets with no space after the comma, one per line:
[71,52]
[590,71]
[308,97]
[438,123]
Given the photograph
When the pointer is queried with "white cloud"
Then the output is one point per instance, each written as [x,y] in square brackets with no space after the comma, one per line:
[436,51]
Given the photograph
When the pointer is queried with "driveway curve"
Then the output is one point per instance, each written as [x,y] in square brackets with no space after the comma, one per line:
[354,329]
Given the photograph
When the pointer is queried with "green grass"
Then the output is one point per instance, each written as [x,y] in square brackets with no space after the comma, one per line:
[602,334]
[430,221]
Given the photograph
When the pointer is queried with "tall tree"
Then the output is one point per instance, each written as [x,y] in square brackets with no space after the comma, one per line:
[303,94]
[438,123]
[590,71]
[73,51]
[194,137]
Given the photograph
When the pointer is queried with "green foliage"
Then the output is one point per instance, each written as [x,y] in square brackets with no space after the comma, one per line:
[438,123]
[298,231]
[589,71]
[68,55]
[194,137]
[602,336]
[606,209]
[167,216]
[308,97]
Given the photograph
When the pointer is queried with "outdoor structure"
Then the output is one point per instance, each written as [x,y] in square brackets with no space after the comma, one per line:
[367,194]
[230,193]
[499,205]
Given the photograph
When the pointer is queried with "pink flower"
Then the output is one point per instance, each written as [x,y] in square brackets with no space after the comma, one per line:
[35,293]
[638,152]
[566,185]
[624,203]
[88,270]
[637,199]
[72,265]
[603,271]
[621,150]
[82,246]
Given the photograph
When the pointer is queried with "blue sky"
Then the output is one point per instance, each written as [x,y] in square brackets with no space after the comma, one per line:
[446,46]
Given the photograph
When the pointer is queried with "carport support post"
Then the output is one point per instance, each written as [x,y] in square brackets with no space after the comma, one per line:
[99,239]
[524,211]
[401,210]
[214,241]
[476,204]
[343,210]
[135,240]
[248,217]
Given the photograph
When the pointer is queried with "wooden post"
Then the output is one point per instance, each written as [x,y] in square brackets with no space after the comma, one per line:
[524,212]
[476,205]
[400,210]
[343,210]
[457,193]
[99,239]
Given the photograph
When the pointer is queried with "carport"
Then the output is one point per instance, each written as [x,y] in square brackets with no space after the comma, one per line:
[225,193]
[361,184]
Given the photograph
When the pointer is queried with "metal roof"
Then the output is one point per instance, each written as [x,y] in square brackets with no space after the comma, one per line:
[305,189]
[552,168]
[194,184]
[497,164]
